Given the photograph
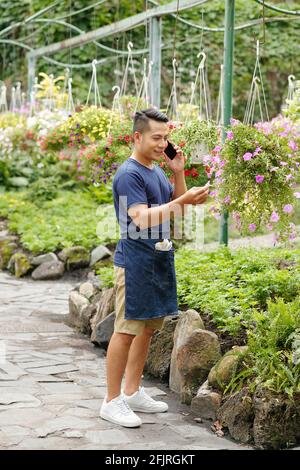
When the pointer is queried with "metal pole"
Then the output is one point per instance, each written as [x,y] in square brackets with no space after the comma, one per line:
[227,93]
[155,58]
[31,72]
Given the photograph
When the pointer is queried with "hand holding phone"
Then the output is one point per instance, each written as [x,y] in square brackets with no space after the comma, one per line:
[170,151]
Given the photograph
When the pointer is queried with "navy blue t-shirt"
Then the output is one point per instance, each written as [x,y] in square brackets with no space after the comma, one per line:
[134,184]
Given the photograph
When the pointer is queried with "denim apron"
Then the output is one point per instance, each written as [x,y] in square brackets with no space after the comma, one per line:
[150,280]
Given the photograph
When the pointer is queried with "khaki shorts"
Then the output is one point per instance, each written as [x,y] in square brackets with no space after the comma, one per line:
[131,327]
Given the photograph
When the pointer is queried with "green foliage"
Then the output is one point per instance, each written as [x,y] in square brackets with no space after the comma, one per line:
[44,189]
[106,275]
[280,55]
[257,203]
[229,286]
[272,361]
[72,218]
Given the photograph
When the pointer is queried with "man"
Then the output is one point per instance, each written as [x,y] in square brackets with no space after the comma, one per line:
[145,279]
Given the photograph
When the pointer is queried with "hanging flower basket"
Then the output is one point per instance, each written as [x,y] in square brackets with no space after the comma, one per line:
[255,177]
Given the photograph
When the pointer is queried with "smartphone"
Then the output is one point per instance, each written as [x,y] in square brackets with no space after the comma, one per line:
[170,151]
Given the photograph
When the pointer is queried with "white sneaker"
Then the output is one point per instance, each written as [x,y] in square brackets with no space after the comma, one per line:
[141,401]
[117,411]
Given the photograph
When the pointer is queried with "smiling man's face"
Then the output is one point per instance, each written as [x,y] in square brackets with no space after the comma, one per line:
[152,142]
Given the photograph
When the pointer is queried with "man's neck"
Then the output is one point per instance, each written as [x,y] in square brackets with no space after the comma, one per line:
[141,159]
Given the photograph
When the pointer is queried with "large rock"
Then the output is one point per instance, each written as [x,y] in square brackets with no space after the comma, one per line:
[187,322]
[227,367]
[19,264]
[87,290]
[49,270]
[206,403]
[7,248]
[105,306]
[237,414]
[45,258]
[103,331]
[79,311]
[75,257]
[160,351]
[277,420]
[99,253]
[195,357]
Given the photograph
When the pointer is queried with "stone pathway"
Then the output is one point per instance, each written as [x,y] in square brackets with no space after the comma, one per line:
[52,381]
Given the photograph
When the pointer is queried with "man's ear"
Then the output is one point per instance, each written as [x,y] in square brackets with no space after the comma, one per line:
[137,137]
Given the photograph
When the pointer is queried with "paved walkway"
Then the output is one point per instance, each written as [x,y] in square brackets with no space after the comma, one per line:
[52,381]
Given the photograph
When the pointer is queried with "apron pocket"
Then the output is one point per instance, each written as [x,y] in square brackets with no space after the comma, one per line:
[163,269]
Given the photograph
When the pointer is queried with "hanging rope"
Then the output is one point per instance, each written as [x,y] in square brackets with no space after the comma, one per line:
[144,88]
[291,87]
[18,96]
[94,86]
[3,99]
[129,62]
[116,107]
[172,102]
[65,88]
[70,108]
[13,100]
[255,93]
[203,110]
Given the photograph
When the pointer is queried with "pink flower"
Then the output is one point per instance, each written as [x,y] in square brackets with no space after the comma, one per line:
[292,144]
[297,195]
[256,151]
[233,121]
[247,156]
[269,227]
[259,178]
[288,208]
[227,200]
[252,227]
[219,173]
[217,149]
[275,168]
[283,163]
[229,135]
[274,217]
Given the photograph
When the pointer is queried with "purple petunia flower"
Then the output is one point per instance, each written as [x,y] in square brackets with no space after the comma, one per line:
[247,156]
[274,217]
[229,135]
[293,146]
[259,178]
[288,208]
[252,227]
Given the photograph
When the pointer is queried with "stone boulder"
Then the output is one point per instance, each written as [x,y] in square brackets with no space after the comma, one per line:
[195,357]
[237,414]
[206,403]
[79,312]
[48,271]
[160,351]
[75,257]
[7,249]
[103,331]
[227,367]
[87,289]
[277,420]
[105,305]
[45,258]
[19,264]
[99,253]
[187,322]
